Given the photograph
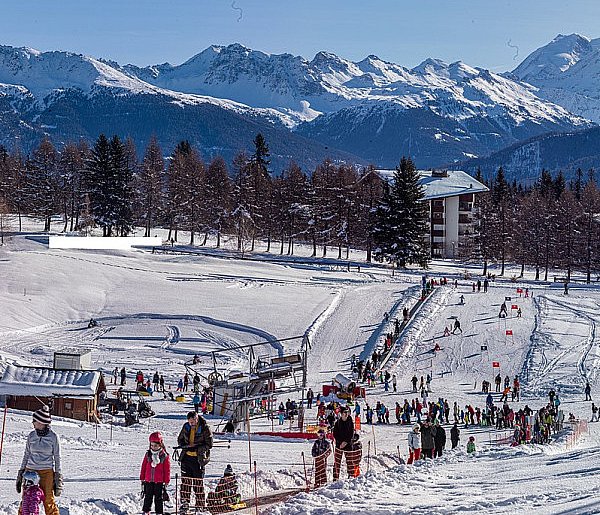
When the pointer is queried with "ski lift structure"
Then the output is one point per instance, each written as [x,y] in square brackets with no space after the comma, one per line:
[235,395]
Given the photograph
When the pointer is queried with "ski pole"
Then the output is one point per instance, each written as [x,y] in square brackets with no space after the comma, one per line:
[176,493]
[368,456]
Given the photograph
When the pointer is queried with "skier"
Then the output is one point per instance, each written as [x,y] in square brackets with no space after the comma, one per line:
[588,392]
[446,331]
[33,495]
[156,380]
[115,375]
[594,413]
[486,283]
[462,300]
[226,492]
[454,435]
[414,383]
[394,382]
[456,327]
[196,441]
[497,381]
[478,285]
[471,445]
[439,439]
[155,473]
[566,288]
[414,444]
[519,313]
[343,431]
[309,398]
[161,382]
[320,451]
[503,311]
[123,376]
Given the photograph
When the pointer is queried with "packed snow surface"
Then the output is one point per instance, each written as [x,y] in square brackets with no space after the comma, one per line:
[155,311]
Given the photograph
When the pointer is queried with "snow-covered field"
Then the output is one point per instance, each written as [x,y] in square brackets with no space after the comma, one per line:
[156,311]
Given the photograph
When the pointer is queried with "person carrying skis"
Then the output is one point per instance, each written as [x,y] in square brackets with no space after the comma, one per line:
[343,431]
[454,435]
[414,444]
[321,450]
[196,441]
[155,474]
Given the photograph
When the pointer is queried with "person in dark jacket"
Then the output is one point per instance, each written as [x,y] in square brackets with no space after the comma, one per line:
[427,438]
[343,431]
[439,439]
[196,441]
[454,435]
[321,450]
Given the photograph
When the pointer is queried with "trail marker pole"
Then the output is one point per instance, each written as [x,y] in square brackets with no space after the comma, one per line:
[305,474]
[3,429]
[255,489]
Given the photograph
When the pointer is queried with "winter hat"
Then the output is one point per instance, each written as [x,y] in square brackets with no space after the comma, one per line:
[228,471]
[156,437]
[321,431]
[30,478]
[42,415]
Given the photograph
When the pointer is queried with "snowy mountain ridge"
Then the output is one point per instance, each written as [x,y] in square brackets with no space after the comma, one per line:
[329,83]
[566,72]
[370,110]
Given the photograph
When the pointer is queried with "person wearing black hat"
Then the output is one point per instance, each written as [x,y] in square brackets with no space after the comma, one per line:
[321,450]
[226,492]
[196,441]
[343,431]
[42,454]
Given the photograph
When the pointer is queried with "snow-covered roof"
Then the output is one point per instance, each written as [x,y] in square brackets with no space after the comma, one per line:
[448,184]
[48,382]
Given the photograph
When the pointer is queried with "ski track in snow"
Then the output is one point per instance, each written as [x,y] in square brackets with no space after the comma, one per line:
[554,345]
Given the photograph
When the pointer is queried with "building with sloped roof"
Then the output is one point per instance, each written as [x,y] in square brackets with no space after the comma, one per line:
[451,195]
[68,393]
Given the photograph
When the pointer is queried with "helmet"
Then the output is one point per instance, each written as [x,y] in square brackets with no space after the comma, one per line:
[156,437]
[30,478]
[417,428]
[228,471]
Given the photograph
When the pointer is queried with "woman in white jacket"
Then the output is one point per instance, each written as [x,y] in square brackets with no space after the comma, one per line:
[42,454]
[414,444]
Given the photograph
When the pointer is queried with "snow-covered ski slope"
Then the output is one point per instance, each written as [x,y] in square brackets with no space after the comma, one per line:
[156,311]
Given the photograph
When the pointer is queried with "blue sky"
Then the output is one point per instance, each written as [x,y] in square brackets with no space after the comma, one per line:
[479,32]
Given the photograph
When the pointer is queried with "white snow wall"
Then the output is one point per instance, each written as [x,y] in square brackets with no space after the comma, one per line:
[109,243]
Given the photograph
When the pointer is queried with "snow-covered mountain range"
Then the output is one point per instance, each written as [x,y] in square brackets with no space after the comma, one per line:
[566,71]
[366,111]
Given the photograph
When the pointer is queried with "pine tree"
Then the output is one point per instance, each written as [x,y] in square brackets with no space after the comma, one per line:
[402,219]
[218,197]
[149,184]
[41,183]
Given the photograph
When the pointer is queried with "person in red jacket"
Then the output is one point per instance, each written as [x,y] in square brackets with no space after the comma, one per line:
[155,473]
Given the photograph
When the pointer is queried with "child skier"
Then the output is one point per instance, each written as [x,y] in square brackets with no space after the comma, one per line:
[33,495]
[471,445]
[226,493]
[155,473]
